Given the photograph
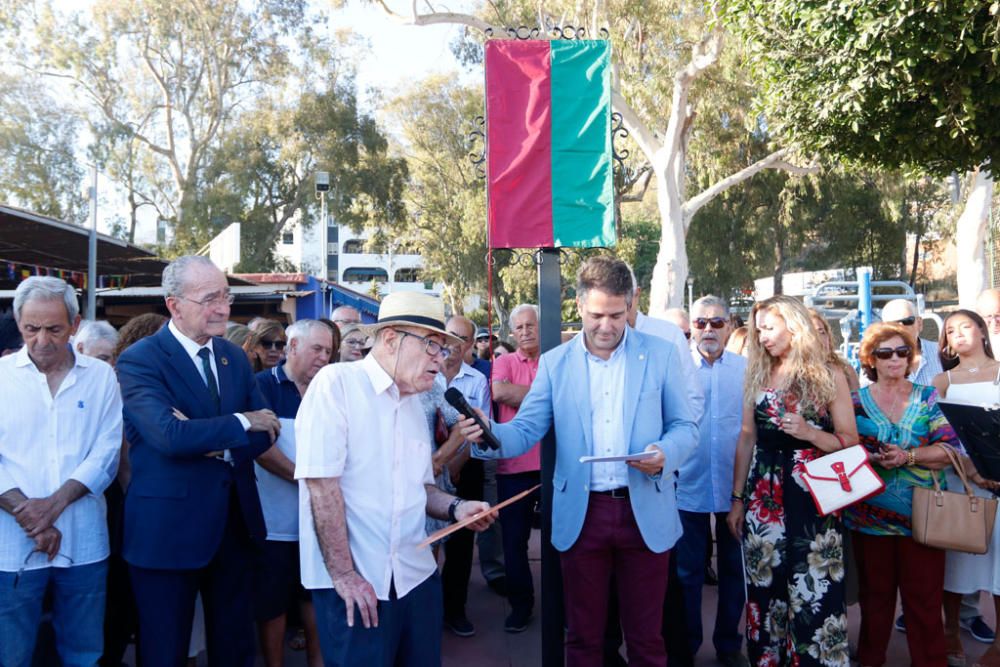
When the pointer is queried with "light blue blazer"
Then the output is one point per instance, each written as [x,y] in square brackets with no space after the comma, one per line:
[656,412]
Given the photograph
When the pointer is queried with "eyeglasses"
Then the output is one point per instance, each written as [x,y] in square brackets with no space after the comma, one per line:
[903,352]
[702,322]
[344,321]
[431,347]
[907,321]
[272,344]
[458,335]
[217,300]
[17,577]
[354,342]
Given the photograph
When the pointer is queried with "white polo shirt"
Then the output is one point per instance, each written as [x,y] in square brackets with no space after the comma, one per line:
[354,425]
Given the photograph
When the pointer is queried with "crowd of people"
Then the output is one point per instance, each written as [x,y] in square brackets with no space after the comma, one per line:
[191,483]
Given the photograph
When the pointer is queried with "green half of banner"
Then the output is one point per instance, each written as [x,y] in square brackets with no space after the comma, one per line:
[548,133]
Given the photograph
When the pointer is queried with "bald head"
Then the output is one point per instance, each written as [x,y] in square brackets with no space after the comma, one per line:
[988,306]
[344,315]
[679,317]
[465,329]
[904,313]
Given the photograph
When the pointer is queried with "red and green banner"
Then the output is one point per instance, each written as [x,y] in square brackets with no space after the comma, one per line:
[548,137]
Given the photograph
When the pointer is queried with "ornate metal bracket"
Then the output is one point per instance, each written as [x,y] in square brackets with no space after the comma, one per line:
[476,141]
[572,32]
[523,32]
[622,172]
[524,257]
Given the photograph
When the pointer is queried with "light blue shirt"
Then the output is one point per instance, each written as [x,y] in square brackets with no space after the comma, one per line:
[705,481]
[607,404]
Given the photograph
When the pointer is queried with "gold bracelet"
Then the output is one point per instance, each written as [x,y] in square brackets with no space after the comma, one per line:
[911,457]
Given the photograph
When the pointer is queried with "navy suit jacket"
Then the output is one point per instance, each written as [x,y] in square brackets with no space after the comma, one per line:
[178,501]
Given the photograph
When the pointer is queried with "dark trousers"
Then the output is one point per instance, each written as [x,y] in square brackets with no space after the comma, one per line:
[458,548]
[165,599]
[689,554]
[121,619]
[408,632]
[891,563]
[610,543]
[516,521]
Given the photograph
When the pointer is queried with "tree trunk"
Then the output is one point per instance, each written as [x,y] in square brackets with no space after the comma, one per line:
[779,259]
[671,269]
[970,240]
[916,256]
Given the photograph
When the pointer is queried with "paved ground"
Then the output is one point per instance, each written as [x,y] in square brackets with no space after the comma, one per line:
[492,647]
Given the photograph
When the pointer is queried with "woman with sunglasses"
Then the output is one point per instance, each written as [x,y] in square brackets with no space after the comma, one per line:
[971,375]
[265,346]
[897,421]
[795,410]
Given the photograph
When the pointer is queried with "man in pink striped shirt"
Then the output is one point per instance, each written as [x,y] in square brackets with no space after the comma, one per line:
[512,377]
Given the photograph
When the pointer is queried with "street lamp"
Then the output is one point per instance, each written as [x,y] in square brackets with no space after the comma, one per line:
[322,187]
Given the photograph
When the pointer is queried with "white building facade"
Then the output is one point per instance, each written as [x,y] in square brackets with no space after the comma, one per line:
[349,262]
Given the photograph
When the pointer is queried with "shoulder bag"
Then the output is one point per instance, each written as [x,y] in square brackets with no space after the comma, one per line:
[840,479]
[951,520]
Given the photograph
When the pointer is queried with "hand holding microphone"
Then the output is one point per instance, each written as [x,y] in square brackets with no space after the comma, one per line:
[457,400]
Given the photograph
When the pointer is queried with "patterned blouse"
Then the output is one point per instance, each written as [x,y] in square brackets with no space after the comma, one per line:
[921,425]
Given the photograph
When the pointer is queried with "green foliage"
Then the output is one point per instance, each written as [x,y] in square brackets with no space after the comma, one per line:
[891,84]
[38,166]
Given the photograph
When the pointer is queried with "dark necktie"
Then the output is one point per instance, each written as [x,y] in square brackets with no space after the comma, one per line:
[213,387]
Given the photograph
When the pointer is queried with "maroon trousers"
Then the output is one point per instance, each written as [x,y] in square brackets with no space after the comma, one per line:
[887,563]
[610,542]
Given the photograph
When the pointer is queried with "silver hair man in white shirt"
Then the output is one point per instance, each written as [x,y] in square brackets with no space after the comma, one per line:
[60,437]
[363,458]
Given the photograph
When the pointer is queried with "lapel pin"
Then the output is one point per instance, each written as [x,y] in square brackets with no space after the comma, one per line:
[225,361]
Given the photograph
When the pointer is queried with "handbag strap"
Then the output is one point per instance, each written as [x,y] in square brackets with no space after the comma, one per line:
[956,464]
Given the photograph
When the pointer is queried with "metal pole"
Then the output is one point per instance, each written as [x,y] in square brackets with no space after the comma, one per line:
[324,236]
[550,330]
[92,251]
[865,298]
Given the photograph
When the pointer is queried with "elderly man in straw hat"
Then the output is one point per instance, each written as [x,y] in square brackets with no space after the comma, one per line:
[366,483]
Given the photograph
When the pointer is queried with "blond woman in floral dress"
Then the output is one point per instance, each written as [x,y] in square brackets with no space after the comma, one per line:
[797,410]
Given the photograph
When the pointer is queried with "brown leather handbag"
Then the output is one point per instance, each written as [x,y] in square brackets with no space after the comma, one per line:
[951,520]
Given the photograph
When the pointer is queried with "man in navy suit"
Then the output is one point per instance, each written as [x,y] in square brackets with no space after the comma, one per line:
[194,420]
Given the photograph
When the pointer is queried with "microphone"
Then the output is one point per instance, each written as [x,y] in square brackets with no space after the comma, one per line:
[457,400]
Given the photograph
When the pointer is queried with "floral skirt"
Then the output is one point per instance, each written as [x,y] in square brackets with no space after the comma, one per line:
[794,562]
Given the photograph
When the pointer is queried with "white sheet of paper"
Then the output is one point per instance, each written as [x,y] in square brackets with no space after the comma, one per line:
[642,456]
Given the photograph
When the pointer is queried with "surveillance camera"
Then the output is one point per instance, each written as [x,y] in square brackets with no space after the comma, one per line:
[322,181]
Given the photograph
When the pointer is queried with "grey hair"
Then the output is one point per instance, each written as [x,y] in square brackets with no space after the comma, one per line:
[302,328]
[520,308]
[174,276]
[91,331]
[45,288]
[635,283]
[710,301]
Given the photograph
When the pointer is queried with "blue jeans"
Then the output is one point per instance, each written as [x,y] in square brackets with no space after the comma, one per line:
[408,632]
[77,613]
[690,556]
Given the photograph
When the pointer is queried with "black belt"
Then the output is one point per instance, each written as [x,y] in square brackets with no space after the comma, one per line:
[621,492]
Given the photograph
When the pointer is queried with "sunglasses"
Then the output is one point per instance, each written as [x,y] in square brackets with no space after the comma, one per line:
[903,352]
[702,322]
[907,321]
[272,344]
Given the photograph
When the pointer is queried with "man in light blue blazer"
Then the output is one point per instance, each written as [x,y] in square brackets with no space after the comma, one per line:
[611,391]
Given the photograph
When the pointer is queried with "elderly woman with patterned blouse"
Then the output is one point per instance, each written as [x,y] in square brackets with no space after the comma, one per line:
[898,422]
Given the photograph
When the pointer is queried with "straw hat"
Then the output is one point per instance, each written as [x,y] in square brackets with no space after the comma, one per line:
[411,309]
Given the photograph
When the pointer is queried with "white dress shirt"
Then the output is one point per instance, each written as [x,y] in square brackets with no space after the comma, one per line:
[192,348]
[354,425]
[46,441]
[606,380]
[671,332]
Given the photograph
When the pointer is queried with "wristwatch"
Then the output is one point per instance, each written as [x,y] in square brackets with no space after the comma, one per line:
[451,509]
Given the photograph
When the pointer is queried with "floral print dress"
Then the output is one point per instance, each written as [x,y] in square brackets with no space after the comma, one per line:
[794,558]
